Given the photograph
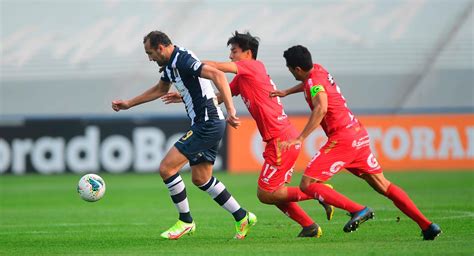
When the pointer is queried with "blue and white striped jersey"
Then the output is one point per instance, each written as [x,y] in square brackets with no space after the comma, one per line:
[184,70]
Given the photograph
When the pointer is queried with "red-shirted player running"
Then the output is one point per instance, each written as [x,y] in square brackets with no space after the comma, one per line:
[347,146]
[254,85]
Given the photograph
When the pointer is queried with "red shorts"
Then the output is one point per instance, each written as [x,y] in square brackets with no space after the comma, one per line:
[351,152]
[278,166]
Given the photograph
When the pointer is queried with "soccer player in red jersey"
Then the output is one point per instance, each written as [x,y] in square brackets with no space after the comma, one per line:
[254,85]
[347,146]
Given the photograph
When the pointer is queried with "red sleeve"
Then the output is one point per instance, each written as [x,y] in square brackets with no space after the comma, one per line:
[234,86]
[244,67]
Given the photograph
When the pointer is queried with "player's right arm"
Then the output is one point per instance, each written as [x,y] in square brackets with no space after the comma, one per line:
[319,99]
[226,67]
[282,93]
[151,94]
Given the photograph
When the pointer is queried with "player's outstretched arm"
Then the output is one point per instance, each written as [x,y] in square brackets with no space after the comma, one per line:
[320,103]
[222,85]
[282,93]
[153,93]
[226,67]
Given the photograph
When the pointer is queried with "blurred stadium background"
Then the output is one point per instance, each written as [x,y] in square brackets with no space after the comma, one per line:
[405,66]
[392,59]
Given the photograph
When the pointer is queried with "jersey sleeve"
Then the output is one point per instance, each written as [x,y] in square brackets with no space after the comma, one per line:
[165,77]
[234,86]
[187,64]
[244,68]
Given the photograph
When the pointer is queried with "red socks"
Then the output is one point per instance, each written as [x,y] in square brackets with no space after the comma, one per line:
[292,209]
[295,194]
[295,212]
[330,196]
[406,205]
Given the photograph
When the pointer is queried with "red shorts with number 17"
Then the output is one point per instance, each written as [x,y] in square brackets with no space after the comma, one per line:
[278,166]
[351,152]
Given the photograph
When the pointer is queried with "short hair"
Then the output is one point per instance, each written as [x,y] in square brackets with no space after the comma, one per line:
[156,38]
[245,42]
[298,56]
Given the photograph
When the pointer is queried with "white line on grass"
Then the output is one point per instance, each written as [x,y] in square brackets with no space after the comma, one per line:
[464,214]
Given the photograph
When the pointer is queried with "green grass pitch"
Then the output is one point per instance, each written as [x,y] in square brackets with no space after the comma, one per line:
[43,215]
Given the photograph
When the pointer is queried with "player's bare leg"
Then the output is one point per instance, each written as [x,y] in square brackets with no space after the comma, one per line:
[169,167]
[201,173]
[202,177]
[403,202]
[172,163]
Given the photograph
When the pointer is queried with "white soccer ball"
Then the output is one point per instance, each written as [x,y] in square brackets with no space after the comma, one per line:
[91,187]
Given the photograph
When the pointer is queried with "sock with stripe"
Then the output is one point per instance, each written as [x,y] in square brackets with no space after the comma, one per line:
[177,189]
[219,193]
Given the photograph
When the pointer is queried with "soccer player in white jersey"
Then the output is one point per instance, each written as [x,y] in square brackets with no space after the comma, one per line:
[199,145]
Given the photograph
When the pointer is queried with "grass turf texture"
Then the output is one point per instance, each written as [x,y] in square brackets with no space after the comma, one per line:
[43,215]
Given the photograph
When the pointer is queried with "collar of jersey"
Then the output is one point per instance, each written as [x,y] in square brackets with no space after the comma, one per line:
[175,51]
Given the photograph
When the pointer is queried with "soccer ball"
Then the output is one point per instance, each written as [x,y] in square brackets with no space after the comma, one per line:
[91,187]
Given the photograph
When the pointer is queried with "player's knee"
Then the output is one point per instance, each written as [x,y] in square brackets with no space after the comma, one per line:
[265,197]
[198,180]
[304,186]
[166,170]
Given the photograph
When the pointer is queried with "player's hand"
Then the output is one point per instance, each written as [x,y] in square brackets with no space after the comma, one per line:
[118,105]
[232,118]
[286,145]
[171,97]
[278,93]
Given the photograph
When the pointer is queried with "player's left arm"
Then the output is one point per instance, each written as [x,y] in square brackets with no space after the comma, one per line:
[320,103]
[282,93]
[226,67]
[175,97]
[219,79]
[172,97]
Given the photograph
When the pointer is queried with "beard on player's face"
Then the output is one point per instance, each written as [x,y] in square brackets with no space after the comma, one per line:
[161,63]
[160,59]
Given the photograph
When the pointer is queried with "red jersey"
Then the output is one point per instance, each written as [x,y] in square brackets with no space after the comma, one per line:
[254,86]
[338,115]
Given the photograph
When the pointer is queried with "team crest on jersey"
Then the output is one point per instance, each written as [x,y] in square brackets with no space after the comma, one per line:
[310,82]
